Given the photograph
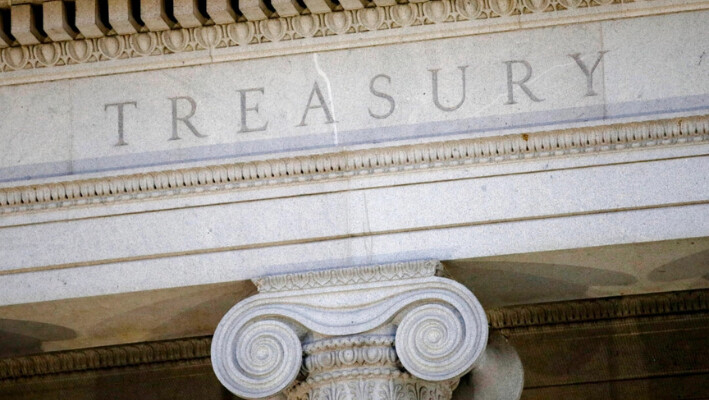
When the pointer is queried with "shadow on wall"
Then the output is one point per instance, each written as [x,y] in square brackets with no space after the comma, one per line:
[501,283]
[179,316]
[692,266]
[18,337]
[209,312]
[638,358]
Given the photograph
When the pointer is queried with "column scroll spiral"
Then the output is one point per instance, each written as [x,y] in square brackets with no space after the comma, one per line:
[383,335]
[430,340]
[264,358]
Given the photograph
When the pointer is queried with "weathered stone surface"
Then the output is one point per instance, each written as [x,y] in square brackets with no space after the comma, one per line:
[464,87]
[297,135]
[154,15]
[242,234]
[187,13]
[88,19]
[56,24]
[122,19]
[23,25]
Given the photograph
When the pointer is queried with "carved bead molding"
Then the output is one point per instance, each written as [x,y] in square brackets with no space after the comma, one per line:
[397,331]
[594,310]
[196,39]
[321,167]
[514,318]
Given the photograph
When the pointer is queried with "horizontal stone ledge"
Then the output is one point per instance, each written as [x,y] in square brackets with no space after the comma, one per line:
[350,163]
[197,350]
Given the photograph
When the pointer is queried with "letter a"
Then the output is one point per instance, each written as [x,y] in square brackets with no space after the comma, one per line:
[321,104]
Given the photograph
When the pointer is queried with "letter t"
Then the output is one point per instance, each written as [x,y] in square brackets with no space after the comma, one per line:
[119,106]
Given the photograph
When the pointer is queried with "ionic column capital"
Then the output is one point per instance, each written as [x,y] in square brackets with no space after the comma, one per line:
[363,331]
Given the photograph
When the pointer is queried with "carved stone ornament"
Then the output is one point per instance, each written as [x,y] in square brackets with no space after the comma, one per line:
[100,51]
[397,331]
[330,166]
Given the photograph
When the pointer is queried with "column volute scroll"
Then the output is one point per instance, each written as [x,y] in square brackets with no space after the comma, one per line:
[397,331]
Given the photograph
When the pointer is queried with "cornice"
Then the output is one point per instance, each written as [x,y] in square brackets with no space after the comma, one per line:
[131,355]
[594,310]
[512,317]
[349,25]
[344,164]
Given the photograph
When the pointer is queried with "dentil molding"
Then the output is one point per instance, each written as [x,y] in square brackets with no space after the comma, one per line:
[393,331]
[337,165]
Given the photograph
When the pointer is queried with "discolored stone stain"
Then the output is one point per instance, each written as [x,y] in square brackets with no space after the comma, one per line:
[502,283]
[695,266]
[181,315]
[525,137]
[202,318]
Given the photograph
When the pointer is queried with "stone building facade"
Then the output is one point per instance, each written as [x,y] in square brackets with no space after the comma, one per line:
[354,199]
